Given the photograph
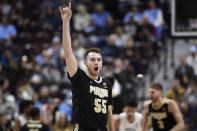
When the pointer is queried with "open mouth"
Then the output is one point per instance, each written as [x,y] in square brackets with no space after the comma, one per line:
[96,68]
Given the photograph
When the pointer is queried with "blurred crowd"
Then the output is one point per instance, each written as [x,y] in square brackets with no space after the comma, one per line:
[131,34]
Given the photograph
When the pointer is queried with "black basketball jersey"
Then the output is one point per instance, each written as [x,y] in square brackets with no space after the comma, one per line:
[162,119]
[34,125]
[90,100]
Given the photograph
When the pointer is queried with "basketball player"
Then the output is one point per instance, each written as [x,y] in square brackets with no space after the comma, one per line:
[164,112]
[34,123]
[92,94]
[130,120]
[24,109]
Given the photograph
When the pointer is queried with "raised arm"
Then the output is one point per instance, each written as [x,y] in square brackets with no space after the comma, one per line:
[173,107]
[145,116]
[71,62]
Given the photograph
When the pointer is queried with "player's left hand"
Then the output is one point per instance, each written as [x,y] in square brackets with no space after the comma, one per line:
[66,13]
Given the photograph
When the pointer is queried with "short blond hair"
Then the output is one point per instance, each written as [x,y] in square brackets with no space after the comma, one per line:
[156,86]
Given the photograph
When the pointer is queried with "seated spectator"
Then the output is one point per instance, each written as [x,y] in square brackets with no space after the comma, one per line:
[192,58]
[100,16]
[121,36]
[191,94]
[52,75]
[43,58]
[55,51]
[26,89]
[62,124]
[155,17]
[81,18]
[7,30]
[184,73]
[137,16]
[6,7]
[65,108]
[4,123]
[36,78]
[110,26]
[49,20]
[36,101]
[176,92]
[131,26]
[44,94]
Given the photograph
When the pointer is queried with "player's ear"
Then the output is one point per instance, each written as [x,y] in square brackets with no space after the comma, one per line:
[85,62]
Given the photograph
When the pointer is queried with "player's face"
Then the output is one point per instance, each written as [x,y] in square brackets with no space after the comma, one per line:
[94,63]
[130,112]
[154,94]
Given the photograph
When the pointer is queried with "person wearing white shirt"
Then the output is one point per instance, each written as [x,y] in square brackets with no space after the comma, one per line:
[129,120]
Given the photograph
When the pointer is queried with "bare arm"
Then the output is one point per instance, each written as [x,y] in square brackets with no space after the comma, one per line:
[71,62]
[17,125]
[110,122]
[173,107]
[116,122]
[145,116]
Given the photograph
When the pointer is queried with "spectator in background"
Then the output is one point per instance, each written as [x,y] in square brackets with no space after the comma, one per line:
[11,67]
[121,36]
[155,17]
[137,16]
[111,51]
[110,26]
[81,18]
[100,16]
[4,81]
[17,15]
[9,60]
[192,58]
[131,26]
[4,123]
[43,58]
[191,94]
[78,51]
[55,51]
[52,76]
[176,92]
[65,108]
[26,89]
[184,73]
[37,102]
[37,78]
[62,124]
[6,7]
[44,94]
[49,20]
[7,31]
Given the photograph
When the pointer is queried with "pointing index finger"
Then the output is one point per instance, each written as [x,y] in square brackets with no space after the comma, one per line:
[69,5]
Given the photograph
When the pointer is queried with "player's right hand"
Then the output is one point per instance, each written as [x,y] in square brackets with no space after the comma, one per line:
[66,13]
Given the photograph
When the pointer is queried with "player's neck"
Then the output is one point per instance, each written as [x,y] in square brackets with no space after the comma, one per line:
[92,76]
[131,120]
[158,103]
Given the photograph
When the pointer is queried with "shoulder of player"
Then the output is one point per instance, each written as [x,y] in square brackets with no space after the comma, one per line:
[117,117]
[138,114]
[123,114]
[171,104]
[147,103]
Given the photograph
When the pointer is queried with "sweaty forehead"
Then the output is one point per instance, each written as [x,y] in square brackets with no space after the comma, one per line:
[93,55]
[153,90]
